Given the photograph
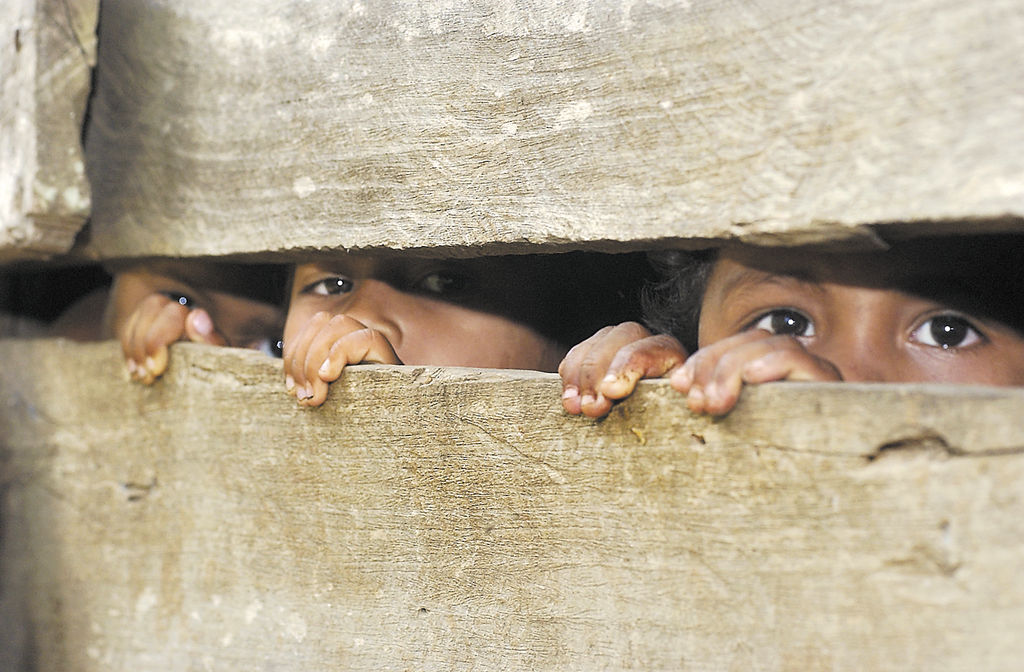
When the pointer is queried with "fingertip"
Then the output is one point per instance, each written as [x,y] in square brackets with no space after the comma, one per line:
[571,400]
[617,387]
[201,322]
[715,399]
[681,379]
[595,406]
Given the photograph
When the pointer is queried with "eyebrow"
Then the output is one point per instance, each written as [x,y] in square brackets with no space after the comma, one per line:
[752,277]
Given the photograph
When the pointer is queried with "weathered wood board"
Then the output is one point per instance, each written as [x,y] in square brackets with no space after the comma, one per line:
[47,49]
[455,519]
[231,128]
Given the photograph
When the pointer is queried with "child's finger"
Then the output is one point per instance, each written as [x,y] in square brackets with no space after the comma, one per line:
[294,356]
[569,367]
[361,346]
[318,351]
[199,328]
[652,357]
[166,327]
[135,336]
[586,365]
[594,366]
[795,364]
[758,360]
[569,370]
[364,346]
[701,375]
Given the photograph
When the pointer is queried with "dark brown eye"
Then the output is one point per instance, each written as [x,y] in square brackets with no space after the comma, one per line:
[785,321]
[330,286]
[947,331]
[442,282]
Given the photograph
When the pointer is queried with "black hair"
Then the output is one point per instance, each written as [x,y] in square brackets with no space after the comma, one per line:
[671,304]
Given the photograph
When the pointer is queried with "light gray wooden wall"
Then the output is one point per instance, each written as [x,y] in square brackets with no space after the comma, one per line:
[429,519]
[47,48]
[227,128]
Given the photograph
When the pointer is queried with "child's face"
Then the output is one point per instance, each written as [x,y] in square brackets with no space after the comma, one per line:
[436,312]
[245,322]
[846,308]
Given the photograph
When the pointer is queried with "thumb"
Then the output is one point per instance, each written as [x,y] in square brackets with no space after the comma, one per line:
[199,328]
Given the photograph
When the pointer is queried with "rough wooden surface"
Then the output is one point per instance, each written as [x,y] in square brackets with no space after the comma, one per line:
[455,519]
[238,127]
[47,48]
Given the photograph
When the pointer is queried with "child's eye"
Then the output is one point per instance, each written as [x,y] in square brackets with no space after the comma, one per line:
[785,321]
[329,286]
[442,282]
[947,331]
[180,298]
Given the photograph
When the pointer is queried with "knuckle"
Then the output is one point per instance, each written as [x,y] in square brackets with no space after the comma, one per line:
[633,330]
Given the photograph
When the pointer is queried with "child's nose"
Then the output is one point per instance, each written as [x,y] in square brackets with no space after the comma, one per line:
[379,306]
[860,359]
[862,370]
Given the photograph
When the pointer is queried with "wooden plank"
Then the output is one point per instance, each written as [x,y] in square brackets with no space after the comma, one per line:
[431,518]
[232,128]
[47,49]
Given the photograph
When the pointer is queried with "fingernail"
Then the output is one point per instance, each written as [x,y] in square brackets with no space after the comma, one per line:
[132,366]
[326,366]
[570,393]
[150,365]
[615,385]
[202,322]
[289,383]
[308,392]
[587,400]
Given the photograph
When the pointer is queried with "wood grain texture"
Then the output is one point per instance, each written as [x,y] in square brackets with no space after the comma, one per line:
[232,128]
[434,519]
[47,49]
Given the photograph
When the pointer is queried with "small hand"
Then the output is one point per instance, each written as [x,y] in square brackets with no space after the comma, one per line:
[157,322]
[607,366]
[323,348]
[713,377]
